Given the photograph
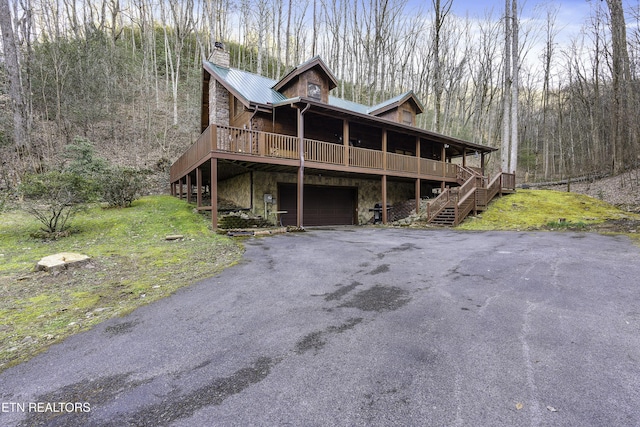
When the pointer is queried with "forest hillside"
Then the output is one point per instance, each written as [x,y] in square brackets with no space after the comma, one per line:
[124,76]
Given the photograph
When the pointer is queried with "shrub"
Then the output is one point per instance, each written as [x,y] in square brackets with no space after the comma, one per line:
[121,186]
[55,197]
[81,159]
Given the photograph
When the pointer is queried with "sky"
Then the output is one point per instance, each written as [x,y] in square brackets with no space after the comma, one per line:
[572,15]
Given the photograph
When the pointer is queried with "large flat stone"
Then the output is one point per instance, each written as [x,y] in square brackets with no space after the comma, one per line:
[61,261]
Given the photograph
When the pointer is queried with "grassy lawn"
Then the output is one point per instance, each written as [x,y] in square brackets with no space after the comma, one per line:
[551,210]
[131,264]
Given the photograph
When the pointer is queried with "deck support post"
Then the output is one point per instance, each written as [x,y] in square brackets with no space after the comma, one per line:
[300,204]
[198,187]
[188,188]
[418,154]
[384,199]
[214,193]
[417,196]
[180,188]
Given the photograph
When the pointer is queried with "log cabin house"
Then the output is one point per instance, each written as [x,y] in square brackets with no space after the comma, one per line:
[289,151]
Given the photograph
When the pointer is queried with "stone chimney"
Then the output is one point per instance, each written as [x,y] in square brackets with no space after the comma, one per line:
[220,56]
[219,96]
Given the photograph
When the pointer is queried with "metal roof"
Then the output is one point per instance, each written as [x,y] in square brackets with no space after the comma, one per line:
[398,99]
[253,88]
[348,105]
[256,89]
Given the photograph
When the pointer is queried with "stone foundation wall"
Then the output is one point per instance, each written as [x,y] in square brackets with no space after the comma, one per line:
[236,190]
[369,190]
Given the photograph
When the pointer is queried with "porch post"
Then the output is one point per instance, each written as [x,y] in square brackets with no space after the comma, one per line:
[384,199]
[300,201]
[464,157]
[345,141]
[198,186]
[188,188]
[214,193]
[384,151]
[443,159]
[418,154]
[482,163]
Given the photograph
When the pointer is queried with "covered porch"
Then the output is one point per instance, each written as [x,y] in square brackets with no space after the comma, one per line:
[221,149]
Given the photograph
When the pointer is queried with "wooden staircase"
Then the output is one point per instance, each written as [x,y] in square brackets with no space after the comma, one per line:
[446,218]
[453,205]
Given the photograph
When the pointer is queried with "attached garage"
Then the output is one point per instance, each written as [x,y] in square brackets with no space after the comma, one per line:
[323,205]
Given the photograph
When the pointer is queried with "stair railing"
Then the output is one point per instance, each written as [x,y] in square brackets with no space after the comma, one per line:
[466,199]
[437,205]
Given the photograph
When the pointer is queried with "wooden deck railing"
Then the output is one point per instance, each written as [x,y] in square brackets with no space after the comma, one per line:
[431,167]
[228,139]
[508,181]
[450,170]
[402,163]
[364,158]
[194,154]
[236,140]
[323,152]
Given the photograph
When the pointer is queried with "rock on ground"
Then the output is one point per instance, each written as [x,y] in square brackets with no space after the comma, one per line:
[61,261]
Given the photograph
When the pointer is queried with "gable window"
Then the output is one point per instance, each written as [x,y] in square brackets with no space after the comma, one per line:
[407,117]
[314,91]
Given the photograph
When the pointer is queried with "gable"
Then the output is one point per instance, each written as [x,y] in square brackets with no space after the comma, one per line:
[311,79]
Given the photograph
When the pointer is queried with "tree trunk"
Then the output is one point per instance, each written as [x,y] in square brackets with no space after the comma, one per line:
[513,164]
[12,65]
[621,79]
[506,90]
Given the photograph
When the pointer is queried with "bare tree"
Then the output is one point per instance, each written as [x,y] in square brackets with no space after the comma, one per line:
[515,71]
[621,79]
[509,154]
[12,65]
[441,11]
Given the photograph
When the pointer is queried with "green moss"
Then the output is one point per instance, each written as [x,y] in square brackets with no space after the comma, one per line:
[538,209]
[131,264]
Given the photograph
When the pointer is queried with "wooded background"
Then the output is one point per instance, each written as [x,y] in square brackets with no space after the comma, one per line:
[126,75]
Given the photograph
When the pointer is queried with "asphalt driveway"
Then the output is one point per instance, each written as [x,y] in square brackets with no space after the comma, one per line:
[362,327]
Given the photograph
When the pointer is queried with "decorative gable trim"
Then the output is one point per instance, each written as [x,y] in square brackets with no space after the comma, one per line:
[397,102]
[316,61]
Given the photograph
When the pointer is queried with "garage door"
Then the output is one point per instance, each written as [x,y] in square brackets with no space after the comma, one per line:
[322,205]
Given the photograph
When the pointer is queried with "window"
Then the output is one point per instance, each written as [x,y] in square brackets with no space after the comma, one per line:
[314,91]
[407,117]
